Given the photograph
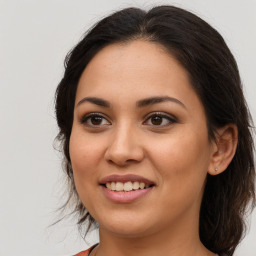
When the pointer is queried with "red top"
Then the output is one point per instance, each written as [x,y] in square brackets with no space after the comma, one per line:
[86,252]
[83,253]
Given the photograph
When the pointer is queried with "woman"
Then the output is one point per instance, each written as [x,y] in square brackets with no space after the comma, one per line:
[156,135]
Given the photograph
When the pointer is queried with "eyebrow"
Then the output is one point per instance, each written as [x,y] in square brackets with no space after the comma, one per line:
[160,99]
[140,103]
[96,101]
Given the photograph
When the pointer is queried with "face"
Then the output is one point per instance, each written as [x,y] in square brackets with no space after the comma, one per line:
[139,145]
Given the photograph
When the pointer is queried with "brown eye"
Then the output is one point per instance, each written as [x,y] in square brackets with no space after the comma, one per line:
[95,120]
[156,120]
[160,120]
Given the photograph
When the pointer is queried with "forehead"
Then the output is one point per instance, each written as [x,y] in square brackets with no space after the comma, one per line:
[135,56]
[137,68]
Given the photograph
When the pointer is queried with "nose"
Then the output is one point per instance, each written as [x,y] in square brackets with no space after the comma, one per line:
[124,147]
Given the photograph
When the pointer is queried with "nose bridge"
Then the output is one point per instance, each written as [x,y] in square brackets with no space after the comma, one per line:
[122,134]
[124,144]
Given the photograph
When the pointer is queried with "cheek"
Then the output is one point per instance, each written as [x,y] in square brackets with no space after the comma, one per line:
[85,155]
[181,167]
[182,159]
[84,152]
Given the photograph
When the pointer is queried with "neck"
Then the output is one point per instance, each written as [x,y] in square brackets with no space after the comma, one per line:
[177,240]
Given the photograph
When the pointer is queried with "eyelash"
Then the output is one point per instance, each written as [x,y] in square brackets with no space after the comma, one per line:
[88,118]
[84,120]
[170,119]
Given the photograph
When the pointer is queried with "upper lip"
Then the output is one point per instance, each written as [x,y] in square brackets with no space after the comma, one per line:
[125,178]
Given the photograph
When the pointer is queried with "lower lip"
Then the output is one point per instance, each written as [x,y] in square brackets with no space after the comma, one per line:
[125,197]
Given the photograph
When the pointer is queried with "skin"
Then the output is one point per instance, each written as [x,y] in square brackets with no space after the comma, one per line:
[175,154]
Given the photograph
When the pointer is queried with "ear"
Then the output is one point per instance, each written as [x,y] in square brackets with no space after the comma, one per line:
[224,149]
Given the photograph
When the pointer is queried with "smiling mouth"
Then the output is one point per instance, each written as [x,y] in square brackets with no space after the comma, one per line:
[126,186]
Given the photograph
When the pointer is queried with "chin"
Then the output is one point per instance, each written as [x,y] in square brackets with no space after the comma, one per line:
[127,226]
[126,231]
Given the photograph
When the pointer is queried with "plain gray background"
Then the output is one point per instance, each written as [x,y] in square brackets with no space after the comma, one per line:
[34,39]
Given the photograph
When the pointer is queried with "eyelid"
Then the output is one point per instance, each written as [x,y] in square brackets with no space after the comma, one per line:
[170,117]
[85,117]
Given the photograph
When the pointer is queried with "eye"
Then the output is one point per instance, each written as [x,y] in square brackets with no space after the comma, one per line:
[159,119]
[94,120]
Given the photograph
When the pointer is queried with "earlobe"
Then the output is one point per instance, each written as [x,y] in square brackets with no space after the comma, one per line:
[224,149]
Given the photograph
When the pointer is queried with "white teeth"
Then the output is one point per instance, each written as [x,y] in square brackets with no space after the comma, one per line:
[136,185]
[142,185]
[119,186]
[127,186]
[113,186]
